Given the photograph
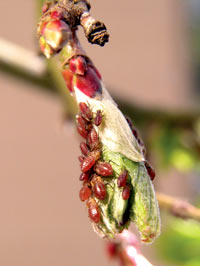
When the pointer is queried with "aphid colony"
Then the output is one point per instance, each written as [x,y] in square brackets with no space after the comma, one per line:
[94,170]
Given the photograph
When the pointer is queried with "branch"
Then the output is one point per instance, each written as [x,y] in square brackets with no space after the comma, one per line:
[178,207]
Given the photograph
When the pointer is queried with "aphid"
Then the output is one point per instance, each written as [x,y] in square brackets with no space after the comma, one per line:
[98,118]
[121,182]
[84,148]
[103,169]
[93,211]
[129,122]
[82,131]
[99,188]
[81,158]
[85,111]
[150,171]
[85,176]
[93,140]
[85,193]
[126,193]
[81,121]
[87,163]
[96,154]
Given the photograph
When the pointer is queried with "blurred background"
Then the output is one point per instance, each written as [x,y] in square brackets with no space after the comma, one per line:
[151,66]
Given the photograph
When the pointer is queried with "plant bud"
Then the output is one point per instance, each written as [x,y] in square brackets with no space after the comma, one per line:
[56,33]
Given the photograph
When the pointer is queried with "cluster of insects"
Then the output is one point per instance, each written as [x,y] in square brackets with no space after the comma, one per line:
[94,169]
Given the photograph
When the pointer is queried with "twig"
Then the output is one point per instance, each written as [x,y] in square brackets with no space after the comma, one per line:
[178,207]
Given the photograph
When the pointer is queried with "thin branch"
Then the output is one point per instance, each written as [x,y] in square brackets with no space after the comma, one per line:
[177,207]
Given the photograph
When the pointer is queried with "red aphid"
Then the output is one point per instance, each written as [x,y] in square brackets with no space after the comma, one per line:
[81,158]
[98,118]
[85,176]
[82,131]
[85,110]
[99,190]
[129,122]
[96,154]
[85,193]
[81,121]
[84,148]
[93,139]
[150,171]
[93,211]
[121,182]
[126,193]
[103,169]
[87,163]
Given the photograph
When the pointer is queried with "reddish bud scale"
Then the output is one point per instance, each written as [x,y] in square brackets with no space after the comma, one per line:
[78,65]
[99,190]
[98,118]
[87,163]
[103,169]
[85,110]
[85,193]
[126,193]
[82,131]
[94,212]
[68,77]
[85,176]
[89,83]
[121,182]
[150,171]
[84,148]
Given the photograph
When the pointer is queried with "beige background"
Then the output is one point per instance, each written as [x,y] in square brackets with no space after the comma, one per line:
[42,220]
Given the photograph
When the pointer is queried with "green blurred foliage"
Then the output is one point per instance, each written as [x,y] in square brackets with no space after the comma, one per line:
[180,242]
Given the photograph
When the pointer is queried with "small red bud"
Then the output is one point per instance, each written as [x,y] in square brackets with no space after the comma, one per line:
[87,163]
[126,193]
[121,182]
[85,193]
[103,169]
